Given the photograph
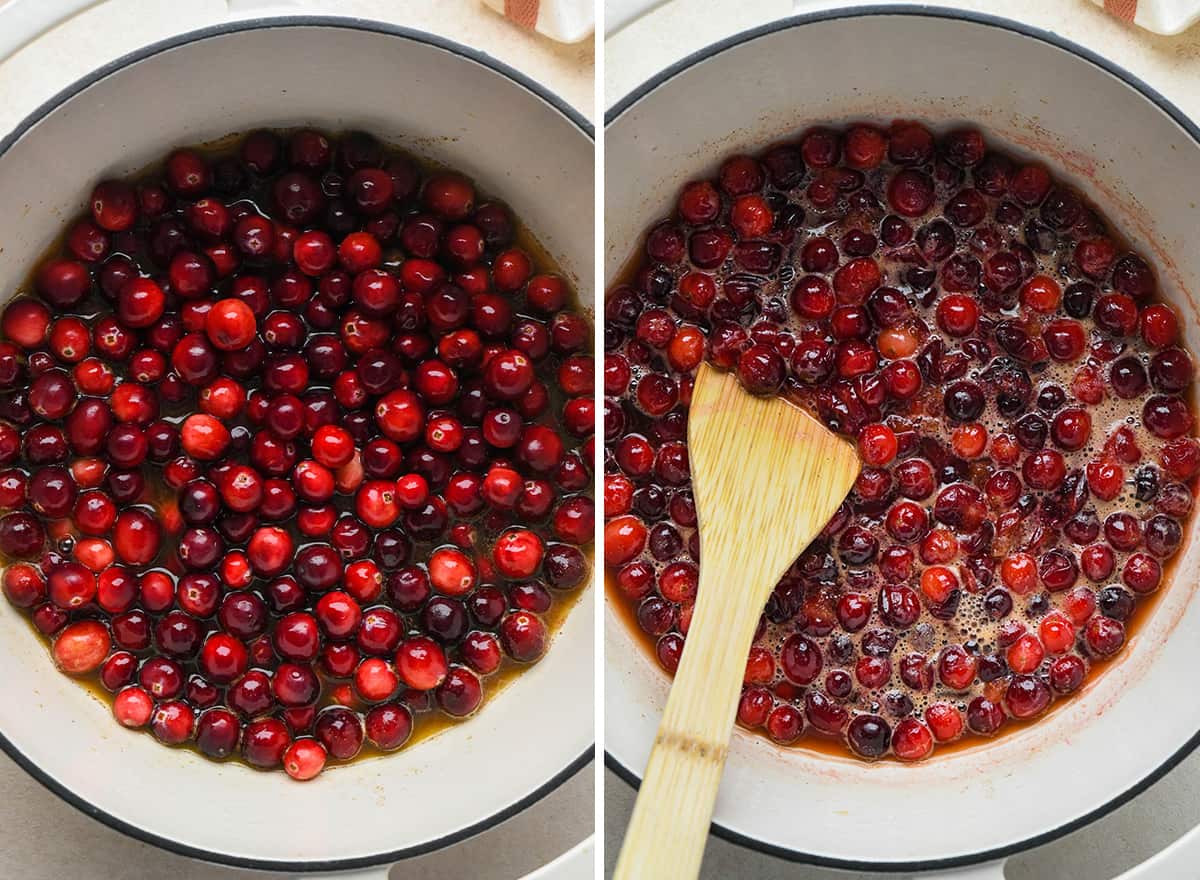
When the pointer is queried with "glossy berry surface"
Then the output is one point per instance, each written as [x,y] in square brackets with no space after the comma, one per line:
[247,415]
[1016,391]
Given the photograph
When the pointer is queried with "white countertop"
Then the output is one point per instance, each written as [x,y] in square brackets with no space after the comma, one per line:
[113,28]
[1171,65]
[43,837]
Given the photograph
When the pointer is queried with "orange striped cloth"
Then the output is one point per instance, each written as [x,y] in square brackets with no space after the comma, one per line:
[524,12]
[1122,9]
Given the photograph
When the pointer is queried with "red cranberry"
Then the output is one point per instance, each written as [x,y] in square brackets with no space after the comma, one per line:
[264,743]
[785,724]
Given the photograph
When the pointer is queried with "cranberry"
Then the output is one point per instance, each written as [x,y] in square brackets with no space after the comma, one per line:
[173,722]
[761,370]
[340,731]
[81,647]
[984,716]
[304,759]
[784,724]
[264,743]
[1104,635]
[823,714]
[869,735]
[1026,696]
[523,636]
[1067,674]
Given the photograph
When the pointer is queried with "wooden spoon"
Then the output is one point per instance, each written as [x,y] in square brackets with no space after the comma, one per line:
[767,476]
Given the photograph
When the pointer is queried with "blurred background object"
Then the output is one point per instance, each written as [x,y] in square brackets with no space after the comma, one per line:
[1160,16]
[567,21]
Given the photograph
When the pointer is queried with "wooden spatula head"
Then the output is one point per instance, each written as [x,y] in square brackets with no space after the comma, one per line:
[766,477]
[763,472]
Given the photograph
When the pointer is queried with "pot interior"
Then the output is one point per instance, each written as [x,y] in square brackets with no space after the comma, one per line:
[436,103]
[1139,165]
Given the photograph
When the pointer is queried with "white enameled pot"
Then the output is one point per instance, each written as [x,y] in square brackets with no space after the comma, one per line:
[1138,158]
[438,100]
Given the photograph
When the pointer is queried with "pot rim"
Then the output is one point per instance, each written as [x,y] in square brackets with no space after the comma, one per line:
[49,106]
[1147,91]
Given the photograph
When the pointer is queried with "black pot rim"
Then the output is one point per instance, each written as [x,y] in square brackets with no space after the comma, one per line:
[1184,122]
[64,791]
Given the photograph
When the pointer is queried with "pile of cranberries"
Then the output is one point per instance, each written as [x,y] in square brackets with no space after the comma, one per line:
[1017,395]
[295,447]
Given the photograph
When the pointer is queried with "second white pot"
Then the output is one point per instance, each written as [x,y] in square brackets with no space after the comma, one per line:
[1138,158]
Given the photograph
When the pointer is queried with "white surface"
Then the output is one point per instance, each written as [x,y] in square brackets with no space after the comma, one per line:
[131,776]
[26,20]
[1102,851]
[45,839]
[671,143]
[619,13]
[680,27]
[116,27]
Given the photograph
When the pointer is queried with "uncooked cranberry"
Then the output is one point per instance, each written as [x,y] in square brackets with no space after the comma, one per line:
[81,647]
[173,722]
[523,636]
[460,694]
[296,637]
[264,743]
[304,759]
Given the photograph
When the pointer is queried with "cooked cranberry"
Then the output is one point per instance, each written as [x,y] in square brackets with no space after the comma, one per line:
[869,735]
[1104,635]
[1026,696]
[824,714]
[910,193]
[1066,674]
[1162,535]
[983,716]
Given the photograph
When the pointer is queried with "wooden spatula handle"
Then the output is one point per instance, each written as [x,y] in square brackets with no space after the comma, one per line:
[766,477]
[674,807]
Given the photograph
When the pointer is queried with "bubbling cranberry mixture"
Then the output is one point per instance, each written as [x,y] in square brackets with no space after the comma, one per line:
[296,449]
[1018,400]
